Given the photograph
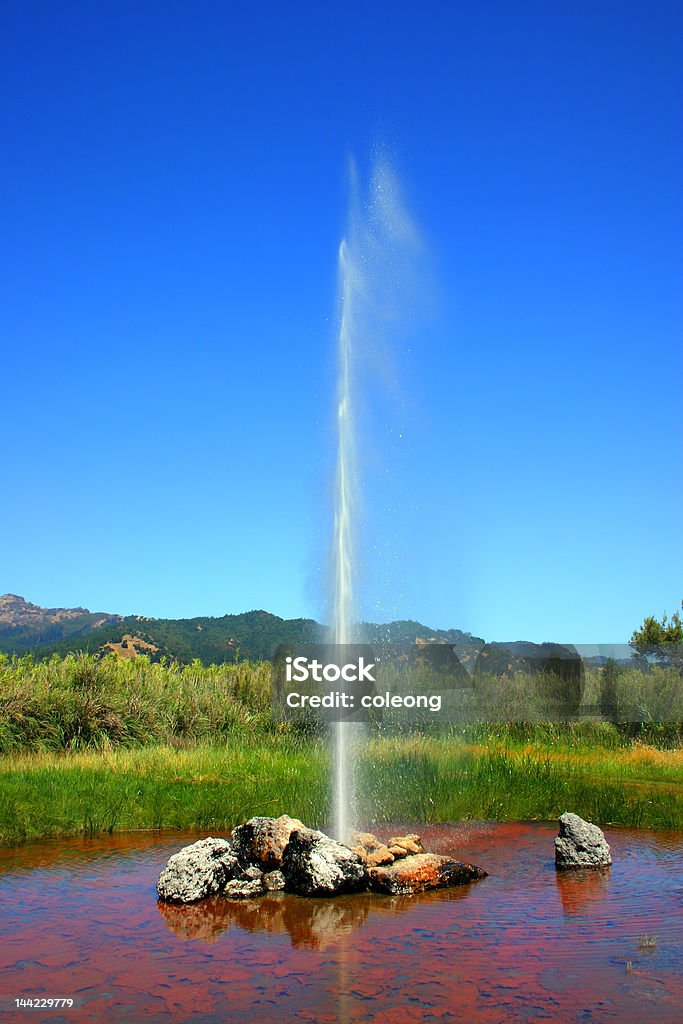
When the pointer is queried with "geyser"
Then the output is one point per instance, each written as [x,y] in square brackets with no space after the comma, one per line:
[343,606]
[375,269]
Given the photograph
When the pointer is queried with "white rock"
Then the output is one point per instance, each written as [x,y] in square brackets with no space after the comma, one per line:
[244,888]
[197,871]
[315,865]
[580,844]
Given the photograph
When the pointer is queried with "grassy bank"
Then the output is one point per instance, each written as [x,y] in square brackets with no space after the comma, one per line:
[204,787]
[90,746]
[412,778]
[436,779]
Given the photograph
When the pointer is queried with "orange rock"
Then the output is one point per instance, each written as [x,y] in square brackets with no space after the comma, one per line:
[371,850]
[365,839]
[410,843]
[382,855]
[420,872]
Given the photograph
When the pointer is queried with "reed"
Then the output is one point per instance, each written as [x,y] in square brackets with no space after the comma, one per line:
[81,702]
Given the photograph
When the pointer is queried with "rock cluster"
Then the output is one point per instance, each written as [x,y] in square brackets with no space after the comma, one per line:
[376,853]
[270,854]
[580,844]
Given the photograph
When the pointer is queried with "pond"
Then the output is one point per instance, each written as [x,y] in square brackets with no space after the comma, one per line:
[80,921]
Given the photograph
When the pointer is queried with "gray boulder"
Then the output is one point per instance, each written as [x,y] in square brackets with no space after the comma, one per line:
[244,888]
[197,871]
[580,844]
[315,865]
[274,881]
[262,840]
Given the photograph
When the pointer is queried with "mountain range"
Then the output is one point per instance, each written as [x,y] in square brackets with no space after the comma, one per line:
[28,628]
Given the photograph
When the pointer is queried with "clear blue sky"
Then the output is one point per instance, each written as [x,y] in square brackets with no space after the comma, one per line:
[174,190]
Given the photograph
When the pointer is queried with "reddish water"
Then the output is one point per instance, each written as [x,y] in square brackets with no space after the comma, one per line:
[80,919]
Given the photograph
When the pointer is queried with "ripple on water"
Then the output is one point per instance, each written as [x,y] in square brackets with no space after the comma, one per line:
[528,944]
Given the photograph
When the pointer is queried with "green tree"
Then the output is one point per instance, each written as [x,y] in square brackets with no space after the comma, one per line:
[659,641]
[655,632]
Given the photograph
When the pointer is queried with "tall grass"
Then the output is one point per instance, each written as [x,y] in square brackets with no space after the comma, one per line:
[81,702]
[418,778]
[90,746]
[424,778]
[208,787]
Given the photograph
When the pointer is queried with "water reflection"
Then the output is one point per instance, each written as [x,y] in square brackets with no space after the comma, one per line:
[308,922]
[579,889]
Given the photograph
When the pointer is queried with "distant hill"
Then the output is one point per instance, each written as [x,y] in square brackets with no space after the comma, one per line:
[25,627]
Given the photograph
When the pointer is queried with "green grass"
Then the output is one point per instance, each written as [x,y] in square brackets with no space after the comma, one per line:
[81,702]
[84,702]
[205,787]
[412,778]
[428,779]
[90,746]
